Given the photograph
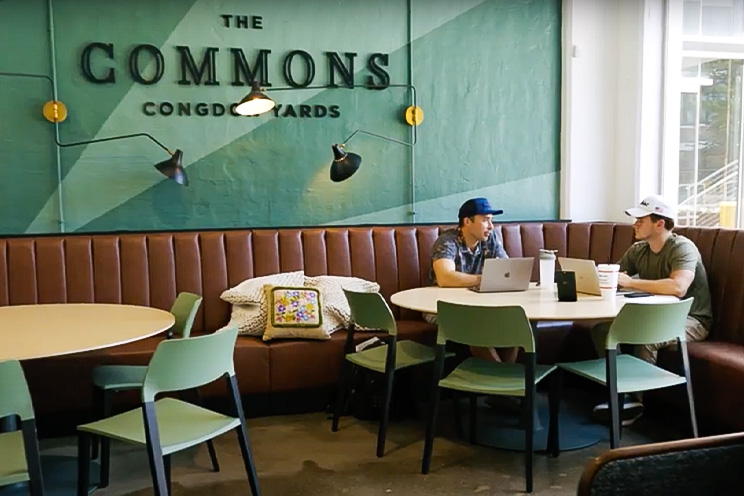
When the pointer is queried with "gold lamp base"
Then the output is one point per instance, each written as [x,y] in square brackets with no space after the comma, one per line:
[54,111]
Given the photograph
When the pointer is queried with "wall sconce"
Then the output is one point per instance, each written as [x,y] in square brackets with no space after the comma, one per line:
[55,112]
[344,164]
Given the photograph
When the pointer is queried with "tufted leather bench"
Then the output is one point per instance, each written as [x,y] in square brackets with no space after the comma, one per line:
[151,268]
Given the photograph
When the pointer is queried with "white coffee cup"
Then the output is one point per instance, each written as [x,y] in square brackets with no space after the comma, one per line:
[608,280]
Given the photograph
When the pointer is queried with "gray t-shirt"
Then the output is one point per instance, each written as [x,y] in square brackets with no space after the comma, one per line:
[678,253]
[451,244]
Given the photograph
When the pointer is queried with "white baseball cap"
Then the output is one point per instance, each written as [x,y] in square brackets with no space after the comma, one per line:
[653,204]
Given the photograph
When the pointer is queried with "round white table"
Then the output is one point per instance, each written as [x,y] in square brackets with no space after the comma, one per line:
[46,330]
[540,304]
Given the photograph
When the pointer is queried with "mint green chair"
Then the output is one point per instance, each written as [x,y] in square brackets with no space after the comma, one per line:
[111,379]
[370,310]
[168,425]
[489,327]
[638,324]
[15,400]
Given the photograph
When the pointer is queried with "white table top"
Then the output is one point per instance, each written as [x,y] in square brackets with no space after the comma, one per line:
[538,304]
[35,331]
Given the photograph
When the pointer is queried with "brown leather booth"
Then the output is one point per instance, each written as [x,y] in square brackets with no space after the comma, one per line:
[151,268]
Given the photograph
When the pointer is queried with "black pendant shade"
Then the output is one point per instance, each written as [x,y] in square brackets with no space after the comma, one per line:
[344,164]
[255,103]
[173,168]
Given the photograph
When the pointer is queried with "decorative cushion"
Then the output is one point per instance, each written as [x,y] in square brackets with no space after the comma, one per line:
[296,312]
[334,299]
[252,290]
[250,319]
[249,300]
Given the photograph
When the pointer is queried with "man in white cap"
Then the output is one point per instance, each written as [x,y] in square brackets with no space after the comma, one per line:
[662,262]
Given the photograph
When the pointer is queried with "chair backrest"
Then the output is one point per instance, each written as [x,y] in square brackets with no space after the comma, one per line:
[179,364]
[371,311]
[645,323]
[184,309]
[14,396]
[484,326]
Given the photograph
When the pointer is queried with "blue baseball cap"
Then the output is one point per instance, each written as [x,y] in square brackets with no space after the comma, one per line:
[477,206]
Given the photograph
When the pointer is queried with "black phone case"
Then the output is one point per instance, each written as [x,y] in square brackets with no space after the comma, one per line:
[566,282]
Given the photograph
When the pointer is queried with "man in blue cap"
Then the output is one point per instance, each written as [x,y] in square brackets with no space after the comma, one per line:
[458,256]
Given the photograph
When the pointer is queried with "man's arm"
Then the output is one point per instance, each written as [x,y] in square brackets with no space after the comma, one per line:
[448,277]
[676,284]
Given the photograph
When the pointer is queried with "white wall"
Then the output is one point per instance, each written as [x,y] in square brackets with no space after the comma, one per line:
[612,106]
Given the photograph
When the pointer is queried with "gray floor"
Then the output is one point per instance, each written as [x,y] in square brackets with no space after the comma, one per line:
[299,455]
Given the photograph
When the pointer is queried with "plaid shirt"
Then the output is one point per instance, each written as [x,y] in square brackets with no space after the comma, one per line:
[451,244]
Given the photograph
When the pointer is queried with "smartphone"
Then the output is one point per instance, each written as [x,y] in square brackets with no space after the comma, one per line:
[637,294]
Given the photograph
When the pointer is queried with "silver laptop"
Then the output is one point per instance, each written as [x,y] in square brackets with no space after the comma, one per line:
[505,274]
[587,279]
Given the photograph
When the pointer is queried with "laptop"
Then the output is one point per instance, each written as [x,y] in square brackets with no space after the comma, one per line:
[505,274]
[587,279]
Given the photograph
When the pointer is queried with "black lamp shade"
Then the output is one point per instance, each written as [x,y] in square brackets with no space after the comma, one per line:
[344,164]
[173,169]
[255,103]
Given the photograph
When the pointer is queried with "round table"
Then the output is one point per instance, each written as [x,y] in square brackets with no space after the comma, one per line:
[540,304]
[46,330]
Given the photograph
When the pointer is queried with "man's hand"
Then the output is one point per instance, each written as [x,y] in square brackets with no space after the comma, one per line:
[448,277]
[624,280]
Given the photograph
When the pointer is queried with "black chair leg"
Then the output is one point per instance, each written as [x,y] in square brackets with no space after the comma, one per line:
[456,412]
[167,468]
[528,412]
[104,400]
[33,461]
[343,386]
[430,427]
[250,467]
[210,444]
[554,407]
[473,423]
[83,464]
[382,429]
[691,403]
[614,420]
[105,461]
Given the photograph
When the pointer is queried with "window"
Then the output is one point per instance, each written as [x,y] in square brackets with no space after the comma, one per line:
[705,56]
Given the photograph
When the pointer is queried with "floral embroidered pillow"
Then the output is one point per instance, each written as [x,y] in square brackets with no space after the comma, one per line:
[294,312]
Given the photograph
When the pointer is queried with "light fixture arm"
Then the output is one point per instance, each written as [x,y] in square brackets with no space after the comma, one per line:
[376,136]
[114,138]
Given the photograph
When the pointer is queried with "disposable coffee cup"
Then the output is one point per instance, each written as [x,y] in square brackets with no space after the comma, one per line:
[608,280]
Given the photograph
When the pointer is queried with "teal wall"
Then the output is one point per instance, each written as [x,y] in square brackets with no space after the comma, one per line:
[487,74]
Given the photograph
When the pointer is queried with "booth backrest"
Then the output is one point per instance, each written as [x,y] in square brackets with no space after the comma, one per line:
[151,268]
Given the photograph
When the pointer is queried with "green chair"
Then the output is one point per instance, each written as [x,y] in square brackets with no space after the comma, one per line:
[491,327]
[110,379]
[638,324]
[168,425]
[370,310]
[15,400]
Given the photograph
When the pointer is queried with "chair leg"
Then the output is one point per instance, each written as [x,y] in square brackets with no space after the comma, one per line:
[154,451]
[105,461]
[250,467]
[528,413]
[473,423]
[554,406]
[614,420]
[104,404]
[83,481]
[33,461]
[382,429]
[456,412]
[430,427]
[210,444]
[167,467]
[343,386]
[691,403]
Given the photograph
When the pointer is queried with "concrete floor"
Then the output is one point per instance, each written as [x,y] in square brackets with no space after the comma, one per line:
[299,455]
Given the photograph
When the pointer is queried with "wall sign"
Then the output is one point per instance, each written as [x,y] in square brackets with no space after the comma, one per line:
[146,66]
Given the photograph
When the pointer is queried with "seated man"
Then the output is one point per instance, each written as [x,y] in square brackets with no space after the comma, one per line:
[664,263]
[458,256]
